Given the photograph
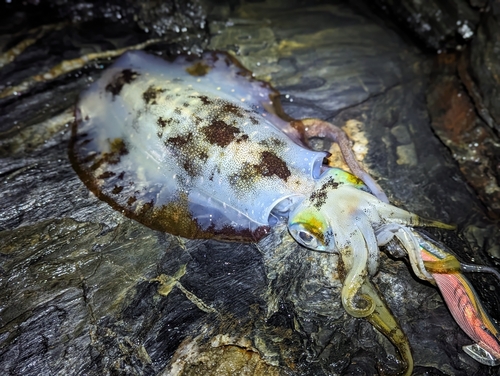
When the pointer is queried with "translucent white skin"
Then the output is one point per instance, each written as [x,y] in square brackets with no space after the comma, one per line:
[341,217]
[205,139]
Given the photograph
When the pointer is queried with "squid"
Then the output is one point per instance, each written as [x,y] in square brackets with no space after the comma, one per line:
[197,147]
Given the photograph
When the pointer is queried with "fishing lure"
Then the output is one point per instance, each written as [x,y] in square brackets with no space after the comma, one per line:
[200,149]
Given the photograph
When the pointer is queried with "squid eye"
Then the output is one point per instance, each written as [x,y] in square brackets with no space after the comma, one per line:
[305,236]
[308,239]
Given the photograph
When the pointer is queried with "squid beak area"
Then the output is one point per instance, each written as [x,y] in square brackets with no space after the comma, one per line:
[385,322]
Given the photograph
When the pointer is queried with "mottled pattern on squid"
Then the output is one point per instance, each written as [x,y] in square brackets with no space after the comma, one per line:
[188,146]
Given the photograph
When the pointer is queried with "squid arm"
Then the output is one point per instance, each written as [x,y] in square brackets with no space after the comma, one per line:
[383,320]
[319,128]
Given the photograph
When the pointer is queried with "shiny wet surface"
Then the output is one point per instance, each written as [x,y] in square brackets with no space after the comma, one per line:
[85,290]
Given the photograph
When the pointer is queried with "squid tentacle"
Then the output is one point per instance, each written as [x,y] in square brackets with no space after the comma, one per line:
[386,233]
[383,320]
[355,258]
[373,250]
[399,222]
[471,268]
[449,262]
[410,243]
[321,128]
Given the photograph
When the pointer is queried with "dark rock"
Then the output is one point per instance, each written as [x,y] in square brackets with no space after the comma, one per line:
[84,290]
[474,145]
[482,63]
[152,16]
[436,25]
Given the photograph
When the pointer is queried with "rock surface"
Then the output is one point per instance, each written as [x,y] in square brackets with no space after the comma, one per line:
[84,290]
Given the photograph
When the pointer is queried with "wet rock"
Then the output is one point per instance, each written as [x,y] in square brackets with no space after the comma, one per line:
[482,64]
[152,16]
[435,25]
[85,290]
[474,145]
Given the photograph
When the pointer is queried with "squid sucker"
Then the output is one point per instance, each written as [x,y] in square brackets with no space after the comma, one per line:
[197,147]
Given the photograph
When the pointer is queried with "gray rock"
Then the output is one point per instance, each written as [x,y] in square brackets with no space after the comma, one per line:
[84,290]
